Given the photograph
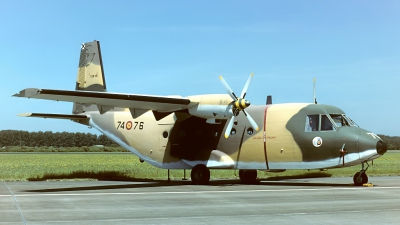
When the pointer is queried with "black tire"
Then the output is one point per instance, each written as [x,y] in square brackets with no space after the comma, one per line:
[200,174]
[359,180]
[248,176]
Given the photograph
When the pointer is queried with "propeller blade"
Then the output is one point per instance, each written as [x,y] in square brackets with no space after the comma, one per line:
[252,122]
[229,127]
[228,89]
[246,86]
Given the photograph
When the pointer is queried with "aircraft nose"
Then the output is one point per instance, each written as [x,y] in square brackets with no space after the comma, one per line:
[381,147]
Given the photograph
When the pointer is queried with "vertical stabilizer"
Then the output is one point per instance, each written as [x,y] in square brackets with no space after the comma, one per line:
[90,72]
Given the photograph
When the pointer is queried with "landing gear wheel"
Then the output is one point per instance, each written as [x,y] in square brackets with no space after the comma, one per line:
[248,176]
[200,174]
[360,178]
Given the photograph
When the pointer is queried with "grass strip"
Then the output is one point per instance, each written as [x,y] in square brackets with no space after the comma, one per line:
[126,167]
[96,148]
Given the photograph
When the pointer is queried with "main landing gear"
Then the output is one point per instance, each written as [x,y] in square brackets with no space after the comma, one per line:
[200,174]
[361,178]
[248,176]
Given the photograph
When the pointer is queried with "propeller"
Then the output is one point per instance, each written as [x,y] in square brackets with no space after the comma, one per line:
[238,104]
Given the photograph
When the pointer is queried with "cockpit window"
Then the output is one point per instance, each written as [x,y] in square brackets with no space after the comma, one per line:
[340,120]
[312,123]
[351,122]
[326,123]
[337,119]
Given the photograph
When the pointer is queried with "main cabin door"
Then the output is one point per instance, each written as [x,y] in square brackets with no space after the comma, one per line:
[247,145]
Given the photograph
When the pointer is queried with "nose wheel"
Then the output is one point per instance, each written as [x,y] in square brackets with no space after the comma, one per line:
[361,178]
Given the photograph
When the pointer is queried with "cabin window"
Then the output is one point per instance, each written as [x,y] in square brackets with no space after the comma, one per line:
[326,123]
[312,123]
[250,131]
[165,134]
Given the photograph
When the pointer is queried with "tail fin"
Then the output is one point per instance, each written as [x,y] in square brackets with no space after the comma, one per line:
[90,73]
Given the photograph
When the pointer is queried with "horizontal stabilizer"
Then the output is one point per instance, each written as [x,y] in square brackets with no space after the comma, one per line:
[56,116]
[150,102]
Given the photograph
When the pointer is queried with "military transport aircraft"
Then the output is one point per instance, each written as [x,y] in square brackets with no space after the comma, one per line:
[214,131]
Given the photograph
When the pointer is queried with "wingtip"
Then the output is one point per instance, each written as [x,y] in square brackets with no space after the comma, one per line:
[226,136]
[28,92]
[25,114]
[220,77]
[257,129]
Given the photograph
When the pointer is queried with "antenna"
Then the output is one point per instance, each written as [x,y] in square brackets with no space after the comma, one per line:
[314,91]
[269,100]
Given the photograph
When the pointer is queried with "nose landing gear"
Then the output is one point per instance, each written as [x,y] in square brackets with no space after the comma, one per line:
[361,178]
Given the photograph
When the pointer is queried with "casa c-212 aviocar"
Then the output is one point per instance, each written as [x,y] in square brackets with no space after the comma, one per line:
[214,131]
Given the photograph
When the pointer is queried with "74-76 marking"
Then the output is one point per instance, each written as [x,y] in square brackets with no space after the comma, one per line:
[127,125]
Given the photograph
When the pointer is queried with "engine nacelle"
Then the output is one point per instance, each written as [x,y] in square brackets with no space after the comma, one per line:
[212,107]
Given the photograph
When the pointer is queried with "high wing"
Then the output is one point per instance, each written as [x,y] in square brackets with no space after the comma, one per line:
[107,100]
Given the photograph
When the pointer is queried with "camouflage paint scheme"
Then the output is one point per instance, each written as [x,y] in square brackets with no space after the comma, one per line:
[180,133]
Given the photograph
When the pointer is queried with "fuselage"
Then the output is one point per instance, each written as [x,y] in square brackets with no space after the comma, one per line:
[291,136]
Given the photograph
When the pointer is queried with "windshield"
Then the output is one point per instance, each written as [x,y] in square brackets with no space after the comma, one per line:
[351,122]
[323,122]
[326,123]
[341,120]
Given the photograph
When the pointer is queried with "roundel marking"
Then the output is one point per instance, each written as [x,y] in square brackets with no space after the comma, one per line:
[128,125]
[317,141]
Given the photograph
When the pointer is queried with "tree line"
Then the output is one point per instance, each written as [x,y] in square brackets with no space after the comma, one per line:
[48,138]
[393,142]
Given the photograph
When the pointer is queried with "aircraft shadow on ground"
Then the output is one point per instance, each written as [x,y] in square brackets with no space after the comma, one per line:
[101,176]
[149,183]
[285,181]
[143,183]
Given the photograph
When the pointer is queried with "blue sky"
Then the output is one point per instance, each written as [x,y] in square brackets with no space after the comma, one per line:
[170,47]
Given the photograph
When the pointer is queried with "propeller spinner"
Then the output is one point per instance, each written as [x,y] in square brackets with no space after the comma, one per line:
[238,104]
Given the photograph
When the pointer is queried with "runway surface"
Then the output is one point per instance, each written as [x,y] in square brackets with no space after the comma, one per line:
[294,201]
